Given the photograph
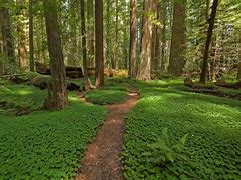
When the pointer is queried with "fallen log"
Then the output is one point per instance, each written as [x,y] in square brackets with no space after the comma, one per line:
[71,72]
[225,84]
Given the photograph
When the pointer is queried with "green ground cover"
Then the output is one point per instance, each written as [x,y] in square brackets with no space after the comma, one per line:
[49,145]
[19,95]
[213,144]
[103,97]
[44,145]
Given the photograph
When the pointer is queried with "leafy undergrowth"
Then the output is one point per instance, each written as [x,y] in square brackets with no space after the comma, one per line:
[13,96]
[213,145]
[46,145]
[103,97]
[217,91]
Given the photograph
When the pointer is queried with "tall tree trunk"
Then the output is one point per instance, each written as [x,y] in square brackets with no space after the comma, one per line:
[153,53]
[7,39]
[211,21]
[144,71]
[91,40]
[109,59]
[178,43]
[31,55]
[163,36]
[116,53]
[99,49]
[156,52]
[22,50]
[132,49]
[43,47]
[125,43]
[84,48]
[60,97]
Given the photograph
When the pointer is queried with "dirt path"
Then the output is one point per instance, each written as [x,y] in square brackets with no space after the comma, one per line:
[102,158]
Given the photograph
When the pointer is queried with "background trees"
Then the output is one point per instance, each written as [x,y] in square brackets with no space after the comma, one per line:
[175,43]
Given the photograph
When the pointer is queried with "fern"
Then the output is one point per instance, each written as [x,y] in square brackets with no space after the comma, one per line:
[162,152]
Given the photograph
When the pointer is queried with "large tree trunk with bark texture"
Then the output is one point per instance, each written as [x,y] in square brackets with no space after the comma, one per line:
[132,49]
[60,97]
[99,46]
[144,71]
[178,43]
[7,39]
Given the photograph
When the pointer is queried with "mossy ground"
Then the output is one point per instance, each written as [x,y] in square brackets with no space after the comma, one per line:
[49,145]
[213,125]
[44,145]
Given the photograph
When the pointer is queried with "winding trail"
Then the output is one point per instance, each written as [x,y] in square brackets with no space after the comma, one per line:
[102,158]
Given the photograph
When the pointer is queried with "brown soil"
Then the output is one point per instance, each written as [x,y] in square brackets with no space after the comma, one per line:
[102,158]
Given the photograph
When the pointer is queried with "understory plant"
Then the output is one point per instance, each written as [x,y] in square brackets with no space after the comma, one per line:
[163,152]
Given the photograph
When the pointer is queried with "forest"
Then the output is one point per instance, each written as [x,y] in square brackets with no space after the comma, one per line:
[120,89]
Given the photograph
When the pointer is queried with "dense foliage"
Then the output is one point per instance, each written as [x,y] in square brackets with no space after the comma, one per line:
[212,148]
[45,145]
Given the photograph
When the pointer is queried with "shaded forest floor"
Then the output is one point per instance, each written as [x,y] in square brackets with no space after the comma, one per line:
[45,145]
[102,158]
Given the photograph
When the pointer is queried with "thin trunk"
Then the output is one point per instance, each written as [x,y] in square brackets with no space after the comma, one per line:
[99,49]
[43,50]
[211,22]
[84,48]
[132,49]
[157,54]
[109,59]
[153,53]
[22,50]
[60,96]
[91,40]
[116,53]
[164,41]
[31,55]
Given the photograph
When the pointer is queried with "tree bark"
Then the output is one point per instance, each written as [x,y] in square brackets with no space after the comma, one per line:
[60,97]
[22,50]
[144,72]
[84,48]
[211,22]
[116,52]
[7,39]
[132,49]
[99,48]
[31,53]
[163,36]
[91,34]
[109,59]
[157,53]
[178,43]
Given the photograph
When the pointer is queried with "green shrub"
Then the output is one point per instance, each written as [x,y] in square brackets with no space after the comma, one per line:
[163,152]
[103,97]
